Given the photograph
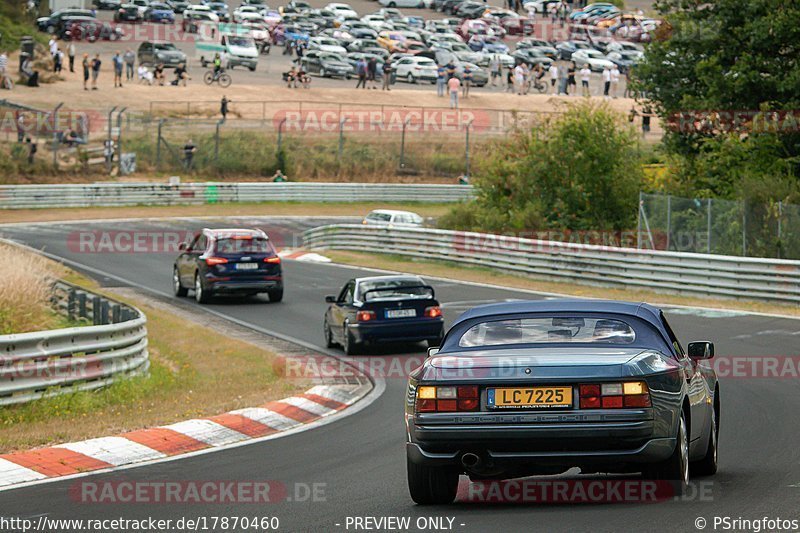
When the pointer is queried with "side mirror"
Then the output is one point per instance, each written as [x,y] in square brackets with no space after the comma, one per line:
[183,246]
[701,350]
[330,299]
[433,351]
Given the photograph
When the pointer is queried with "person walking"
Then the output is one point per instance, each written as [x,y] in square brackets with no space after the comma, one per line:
[496,68]
[71,55]
[96,64]
[586,75]
[118,64]
[86,68]
[510,79]
[441,80]
[453,84]
[372,72]
[553,70]
[130,62]
[31,150]
[614,80]
[223,107]
[361,70]
[387,75]
[467,75]
[606,81]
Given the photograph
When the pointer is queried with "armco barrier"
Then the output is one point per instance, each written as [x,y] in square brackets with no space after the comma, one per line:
[696,274]
[121,194]
[48,363]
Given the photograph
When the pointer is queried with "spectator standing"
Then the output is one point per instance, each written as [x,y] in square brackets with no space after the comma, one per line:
[646,114]
[223,107]
[563,80]
[117,63]
[372,71]
[53,45]
[96,64]
[189,150]
[86,68]
[441,80]
[31,150]
[32,76]
[58,58]
[614,80]
[586,75]
[71,56]
[606,81]
[5,79]
[387,75]
[510,79]
[553,70]
[453,84]
[519,78]
[20,128]
[496,68]
[130,61]
[108,151]
[628,92]
[466,73]
[571,84]
[361,71]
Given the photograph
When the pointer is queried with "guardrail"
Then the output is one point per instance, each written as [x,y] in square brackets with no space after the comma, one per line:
[687,273]
[47,363]
[122,194]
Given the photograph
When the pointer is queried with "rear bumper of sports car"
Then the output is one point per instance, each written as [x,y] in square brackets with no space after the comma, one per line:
[402,330]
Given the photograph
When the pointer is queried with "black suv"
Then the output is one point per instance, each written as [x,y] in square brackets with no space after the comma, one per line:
[228,261]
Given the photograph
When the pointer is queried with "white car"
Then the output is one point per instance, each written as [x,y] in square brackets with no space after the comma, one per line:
[390,217]
[413,69]
[141,5]
[243,17]
[376,22]
[342,10]
[594,58]
[326,44]
[403,3]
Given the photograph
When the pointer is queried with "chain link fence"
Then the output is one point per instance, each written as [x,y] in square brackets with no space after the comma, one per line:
[705,225]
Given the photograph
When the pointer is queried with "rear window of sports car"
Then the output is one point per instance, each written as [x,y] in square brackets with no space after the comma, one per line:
[548,330]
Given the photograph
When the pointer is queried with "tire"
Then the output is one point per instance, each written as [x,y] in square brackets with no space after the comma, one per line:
[411,78]
[326,330]
[349,346]
[431,485]
[676,468]
[275,296]
[323,73]
[707,466]
[224,80]
[201,294]
[252,69]
[208,77]
[392,4]
[178,289]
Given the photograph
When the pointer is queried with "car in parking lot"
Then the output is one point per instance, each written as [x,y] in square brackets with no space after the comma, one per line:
[538,387]
[228,261]
[155,52]
[159,12]
[414,69]
[89,29]
[52,23]
[419,4]
[107,5]
[382,309]
[594,58]
[326,65]
[128,13]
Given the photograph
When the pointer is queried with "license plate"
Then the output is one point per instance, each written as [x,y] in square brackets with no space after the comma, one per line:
[246,266]
[401,313]
[530,397]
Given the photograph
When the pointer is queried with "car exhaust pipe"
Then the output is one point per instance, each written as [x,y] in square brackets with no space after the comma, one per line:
[470,460]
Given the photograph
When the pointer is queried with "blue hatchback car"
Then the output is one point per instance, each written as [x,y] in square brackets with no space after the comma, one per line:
[228,261]
[383,309]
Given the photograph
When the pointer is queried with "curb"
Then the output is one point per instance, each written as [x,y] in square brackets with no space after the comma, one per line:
[158,443]
[303,255]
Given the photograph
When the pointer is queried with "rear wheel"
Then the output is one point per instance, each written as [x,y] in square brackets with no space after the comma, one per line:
[275,296]
[349,345]
[431,485]
[676,468]
[201,293]
[707,466]
[177,288]
[224,80]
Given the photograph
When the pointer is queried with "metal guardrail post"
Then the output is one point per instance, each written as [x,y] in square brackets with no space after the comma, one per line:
[342,121]
[115,314]
[82,305]
[119,141]
[108,140]
[97,312]
[71,304]
[55,135]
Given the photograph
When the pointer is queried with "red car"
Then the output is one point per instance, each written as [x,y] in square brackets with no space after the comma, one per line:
[518,26]
[91,30]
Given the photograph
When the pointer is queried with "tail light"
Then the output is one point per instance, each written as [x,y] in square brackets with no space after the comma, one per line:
[365,316]
[614,395]
[448,399]
[274,260]
[433,311]
[211,261]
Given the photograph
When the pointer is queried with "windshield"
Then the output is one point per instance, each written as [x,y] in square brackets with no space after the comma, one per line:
[243,245]
[240,41]
[165,46]
[394,289]
[575,329]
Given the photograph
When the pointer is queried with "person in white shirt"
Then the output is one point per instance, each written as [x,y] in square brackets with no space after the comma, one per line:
[606,81]
[553,70]
[519,78]
[145,76]
[53,44]
[586,75]
[614,80]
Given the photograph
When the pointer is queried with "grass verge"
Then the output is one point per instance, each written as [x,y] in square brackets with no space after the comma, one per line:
[487,275]
[222,210]
[195,371]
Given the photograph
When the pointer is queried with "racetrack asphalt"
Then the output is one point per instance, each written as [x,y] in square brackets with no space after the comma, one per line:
[360,460]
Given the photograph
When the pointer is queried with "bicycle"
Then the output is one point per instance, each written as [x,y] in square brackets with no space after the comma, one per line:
[221,77]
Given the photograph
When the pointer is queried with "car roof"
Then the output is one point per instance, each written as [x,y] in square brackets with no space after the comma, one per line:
[390,278]
[393,211]
[217,232]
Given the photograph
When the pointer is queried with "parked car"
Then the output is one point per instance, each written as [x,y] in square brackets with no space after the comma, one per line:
[382,309]
[159,52]
[326,65]
[159,12]
[530,388]
[128,13]
[50,24]
[414,69]
[90,30]
[594,58]
[107,5]
[228,261]
[419,4]
[392,217]
[326,44]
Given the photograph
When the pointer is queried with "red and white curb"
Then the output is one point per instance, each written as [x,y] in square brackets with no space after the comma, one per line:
[303,255]
[160,443]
